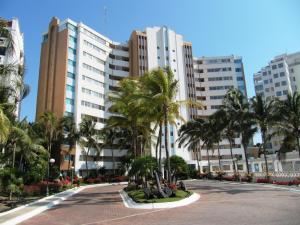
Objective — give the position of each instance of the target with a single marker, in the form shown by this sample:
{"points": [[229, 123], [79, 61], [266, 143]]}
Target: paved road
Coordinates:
{"points": [[220, 204]]}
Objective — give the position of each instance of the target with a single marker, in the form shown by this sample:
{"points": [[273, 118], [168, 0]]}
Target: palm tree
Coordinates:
{"points": [[237, 106], [190, 134], [4, 126], [161, 87], [289, 111], [89, 138], [71, 135], [264, 116]]}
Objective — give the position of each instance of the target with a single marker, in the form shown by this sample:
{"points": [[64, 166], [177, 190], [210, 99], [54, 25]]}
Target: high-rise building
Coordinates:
{"points": [[79, 67], [278, 79], [214, 76], [12, 55]]}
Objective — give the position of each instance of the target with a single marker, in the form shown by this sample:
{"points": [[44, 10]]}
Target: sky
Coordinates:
{"points": [[257, 30]]}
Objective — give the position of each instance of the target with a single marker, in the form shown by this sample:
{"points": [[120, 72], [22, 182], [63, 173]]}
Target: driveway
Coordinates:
{"points": [[220, 204]]}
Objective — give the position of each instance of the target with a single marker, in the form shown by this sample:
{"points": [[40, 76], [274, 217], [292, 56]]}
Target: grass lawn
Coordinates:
{"points": [[139, 197]]}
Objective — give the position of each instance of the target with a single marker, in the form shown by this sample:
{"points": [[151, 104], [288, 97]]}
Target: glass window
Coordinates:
{"points": [[70, 88], [271, 81], [238, 69], [71, 75], [283, 83], [72, 51], [266, 81], [72, 39], [275, 75], [278, 93], [71, 62], [280, 65], [285, 92], [69, 101], [274, 67], [277, 84], [282, 74]]}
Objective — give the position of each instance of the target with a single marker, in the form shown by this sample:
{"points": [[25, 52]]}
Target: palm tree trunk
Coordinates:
{"points": [[198, 149], [231, 154], [159, 160], [86, 162], [157, 143], [265, 155], [69, 163], [208, 159], [113, 162], [246, 157], [298, 145], [12, 167], [167, 143], [219, 156]]}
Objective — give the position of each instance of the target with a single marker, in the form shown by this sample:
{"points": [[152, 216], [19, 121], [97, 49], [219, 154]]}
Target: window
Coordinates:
{"points": [[200, 88], [274, 67], [201, 98], [280, 65], [216, 97], [93, 81], [271, 81], [69, 101], [266, 81], [201, 79], [158, 57], [237, 61], [92, 105], [215, 106], [93, 69], [275, 75], [71, 62], [94, 58], [285, 92], [72, 27], [72, 51], [277, 84], [94, 93], [282, 74], [267, 89], [71, 75], [264, 73], [239, 78], [70, 88], [90, 45], [94, 36], [238, 69], [283, 83], [240, 167], [278, 93], [72, 39]]}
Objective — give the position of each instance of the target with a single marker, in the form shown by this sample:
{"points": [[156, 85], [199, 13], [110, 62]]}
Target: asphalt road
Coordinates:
{"points": [[220, 204]]}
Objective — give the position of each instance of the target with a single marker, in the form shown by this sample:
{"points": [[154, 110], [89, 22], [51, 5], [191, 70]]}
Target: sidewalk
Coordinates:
{"points": [[25, 212]]}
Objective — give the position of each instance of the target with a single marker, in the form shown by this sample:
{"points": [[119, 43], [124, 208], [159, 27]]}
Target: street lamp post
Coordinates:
{"points": [[51, 161]]}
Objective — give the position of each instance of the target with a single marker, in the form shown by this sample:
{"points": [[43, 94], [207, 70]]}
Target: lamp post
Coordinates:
{"points": [[51, 161]]}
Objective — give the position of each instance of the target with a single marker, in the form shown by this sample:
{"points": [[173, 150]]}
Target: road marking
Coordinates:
{"points": [[124, 217]]}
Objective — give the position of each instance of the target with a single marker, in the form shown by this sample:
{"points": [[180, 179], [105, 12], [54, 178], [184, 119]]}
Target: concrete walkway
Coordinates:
{"points": [[27, 211]]}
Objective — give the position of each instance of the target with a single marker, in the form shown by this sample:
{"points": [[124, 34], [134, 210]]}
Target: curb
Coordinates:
{"points": [[129, 203], [38, 210]]}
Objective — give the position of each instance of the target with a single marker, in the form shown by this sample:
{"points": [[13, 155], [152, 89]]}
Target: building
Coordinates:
{"points": [[213, 77], [79, 66], [278, 79], [12, 55]]}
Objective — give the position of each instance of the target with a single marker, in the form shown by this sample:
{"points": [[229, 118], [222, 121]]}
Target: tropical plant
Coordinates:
{"points": [[179, 167], [289, 111], [143, 167], [70, 135], [89, 140], [264, 115]]}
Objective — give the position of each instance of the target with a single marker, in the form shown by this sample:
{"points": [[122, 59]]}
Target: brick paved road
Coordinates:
{"points": [[220, 204]]}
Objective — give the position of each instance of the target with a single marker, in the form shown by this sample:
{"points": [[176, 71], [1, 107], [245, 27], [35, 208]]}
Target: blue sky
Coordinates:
{"points": [[257, 30]]}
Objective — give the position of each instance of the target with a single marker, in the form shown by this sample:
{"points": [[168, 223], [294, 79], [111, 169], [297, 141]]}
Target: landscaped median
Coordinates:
{"points": [[138, 200]]}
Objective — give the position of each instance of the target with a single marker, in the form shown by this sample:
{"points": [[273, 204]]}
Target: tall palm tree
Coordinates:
{"points": [[264, 116], [89, 138], [4, 126], [71, 135], [161, 86], [289, 110], [190, 134]]}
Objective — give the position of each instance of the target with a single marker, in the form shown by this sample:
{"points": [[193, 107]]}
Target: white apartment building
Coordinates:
{"points": [[12, 53], [279, 78], [214, 76]]}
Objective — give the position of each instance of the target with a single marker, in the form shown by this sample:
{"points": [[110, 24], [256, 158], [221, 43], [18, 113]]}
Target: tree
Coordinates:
{"points": [[4, 126], [179, 167], [71, 135], [237, 107], [89, 138], [190, 134], [265, 117], [289, 111], [143, 167]]}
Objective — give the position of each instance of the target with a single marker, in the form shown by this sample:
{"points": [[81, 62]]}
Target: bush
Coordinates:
{"points": [[263, 180]]}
